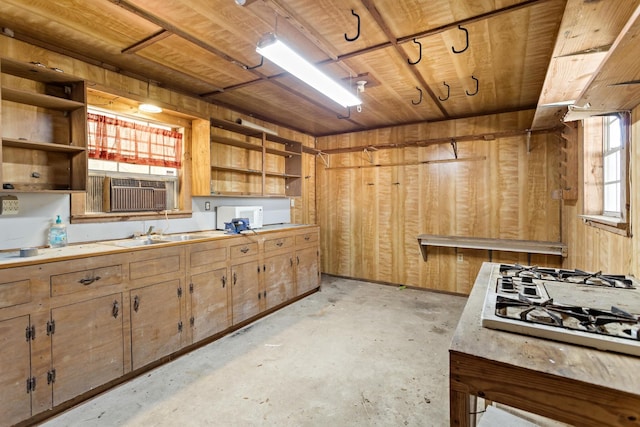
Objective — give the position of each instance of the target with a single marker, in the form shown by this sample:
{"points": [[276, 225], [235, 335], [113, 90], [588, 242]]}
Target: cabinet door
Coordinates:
{"points": [[307, 273], [245, 289], [278, 279], [87, 346], [15, 363], [209, 314], [156, 325]]}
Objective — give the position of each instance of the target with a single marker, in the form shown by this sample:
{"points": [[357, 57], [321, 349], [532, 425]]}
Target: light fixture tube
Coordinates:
{"points": [[287, 59]]}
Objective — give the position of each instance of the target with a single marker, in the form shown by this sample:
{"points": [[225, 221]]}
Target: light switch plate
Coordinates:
{"points": [[9, 205]]}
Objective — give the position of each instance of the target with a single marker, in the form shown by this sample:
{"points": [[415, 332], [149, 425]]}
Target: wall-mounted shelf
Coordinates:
{"points": [[506, 245], [44, 129], [246, 161]]}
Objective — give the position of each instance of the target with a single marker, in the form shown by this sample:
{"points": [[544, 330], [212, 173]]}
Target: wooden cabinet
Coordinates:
{"points": [[87, 346], [307, 261], [16, 380], [86, 326], [278, 267], [156, 325], [246, 289], [44, 131], [208, 289], [69, 327], [247, 162], [157, 303]]}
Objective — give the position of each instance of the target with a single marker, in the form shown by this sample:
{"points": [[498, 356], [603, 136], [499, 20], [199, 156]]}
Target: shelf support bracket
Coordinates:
{"points": [[454, 145], [324, 157]]}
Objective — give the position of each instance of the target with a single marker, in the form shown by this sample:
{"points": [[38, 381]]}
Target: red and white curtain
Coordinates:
{"points": [[123, 141]]}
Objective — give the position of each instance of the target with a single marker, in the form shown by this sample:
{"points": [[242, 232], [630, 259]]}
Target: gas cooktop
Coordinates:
{"points": [[574, 306]]}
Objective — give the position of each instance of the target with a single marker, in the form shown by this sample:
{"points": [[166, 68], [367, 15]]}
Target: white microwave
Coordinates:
{"points": [[229, 213]]}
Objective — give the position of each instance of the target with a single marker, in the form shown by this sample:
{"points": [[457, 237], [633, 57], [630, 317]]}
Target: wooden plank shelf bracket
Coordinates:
{"points": [[506, 245]]}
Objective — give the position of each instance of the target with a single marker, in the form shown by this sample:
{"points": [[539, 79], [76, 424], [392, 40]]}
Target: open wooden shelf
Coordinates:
{"points": [[39, 99], [288, 178], [506, 245], [59, 163], [43, 146]]}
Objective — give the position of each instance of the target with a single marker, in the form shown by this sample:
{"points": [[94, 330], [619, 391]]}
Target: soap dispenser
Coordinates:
{"points": [[58, 234]]}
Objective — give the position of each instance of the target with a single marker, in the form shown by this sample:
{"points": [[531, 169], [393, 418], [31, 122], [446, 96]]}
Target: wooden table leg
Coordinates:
{"points": [[459, 409]]}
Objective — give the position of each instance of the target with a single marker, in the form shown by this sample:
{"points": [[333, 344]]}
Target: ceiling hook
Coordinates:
{"points": [[477, 87], [448, 92], [420, 100], [246, 67], [420, 57], [466, 33], [341, 117], [352, 39]]}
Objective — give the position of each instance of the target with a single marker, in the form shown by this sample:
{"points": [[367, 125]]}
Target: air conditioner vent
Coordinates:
{"points": [[131, 195]]}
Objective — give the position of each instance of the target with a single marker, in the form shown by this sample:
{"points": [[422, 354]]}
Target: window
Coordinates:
{"points": [[606, 147]]}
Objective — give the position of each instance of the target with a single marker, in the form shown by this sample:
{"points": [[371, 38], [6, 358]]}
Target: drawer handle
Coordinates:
{"points": [[136, 303], [244, 250], [235, 278], [88, 281], [279, 244], [115, 309], [307, 238], [224, 281]]}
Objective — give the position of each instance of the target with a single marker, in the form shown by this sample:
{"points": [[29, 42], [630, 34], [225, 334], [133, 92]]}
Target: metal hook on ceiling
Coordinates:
{"points": [[341, 117], [352, 39], [246, 67], [448, 92], [420, 50], [420, 100], [466, 33], [477, 87]]}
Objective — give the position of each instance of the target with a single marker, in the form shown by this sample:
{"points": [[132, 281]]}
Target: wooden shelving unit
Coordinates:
{"points": [[261, 164], [44, 130]]}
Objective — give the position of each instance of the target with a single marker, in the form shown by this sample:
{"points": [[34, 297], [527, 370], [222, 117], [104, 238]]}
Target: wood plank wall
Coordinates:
{"points": [[595, 249], [370, 216]]}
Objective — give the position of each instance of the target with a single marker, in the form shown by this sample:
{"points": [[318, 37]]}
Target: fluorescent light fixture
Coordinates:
{"points": [[150, 108], [559, 103], [287, 59]]}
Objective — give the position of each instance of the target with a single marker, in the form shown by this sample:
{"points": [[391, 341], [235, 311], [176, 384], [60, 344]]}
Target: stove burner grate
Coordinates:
{"points": [[562, 275], [615, 323]]}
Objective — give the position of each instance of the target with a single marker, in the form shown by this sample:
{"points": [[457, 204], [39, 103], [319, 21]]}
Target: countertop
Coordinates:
{"points": [[12, 258]]}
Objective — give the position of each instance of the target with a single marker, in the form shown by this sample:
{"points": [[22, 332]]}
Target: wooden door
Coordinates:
{"points": [[87, 346], [209, 308], [156, 325], [307, 273], [15, 370], [245, 290], [278, 279]]}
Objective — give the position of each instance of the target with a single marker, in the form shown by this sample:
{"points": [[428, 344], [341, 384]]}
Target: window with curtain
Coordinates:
{"points": [[116, 139]]}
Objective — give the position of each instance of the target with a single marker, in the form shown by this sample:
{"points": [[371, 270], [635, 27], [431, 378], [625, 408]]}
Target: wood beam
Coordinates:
{"points": [[148, 41]]}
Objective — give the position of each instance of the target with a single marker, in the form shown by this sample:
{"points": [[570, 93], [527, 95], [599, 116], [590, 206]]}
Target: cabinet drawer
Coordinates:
{"points": [[154, 267], [244, 250], [305, 238], [200, 257], [63, 284], [14, 293], [276, 244]]}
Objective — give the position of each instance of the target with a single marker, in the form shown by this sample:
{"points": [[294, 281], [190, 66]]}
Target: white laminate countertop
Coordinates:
{"points": [[12, 258]]}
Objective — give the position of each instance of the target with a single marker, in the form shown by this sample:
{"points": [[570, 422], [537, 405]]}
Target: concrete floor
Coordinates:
{"points": [[354, 354]]}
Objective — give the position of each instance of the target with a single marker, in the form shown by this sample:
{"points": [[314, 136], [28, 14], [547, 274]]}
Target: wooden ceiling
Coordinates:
{"points": [[415, 55]]}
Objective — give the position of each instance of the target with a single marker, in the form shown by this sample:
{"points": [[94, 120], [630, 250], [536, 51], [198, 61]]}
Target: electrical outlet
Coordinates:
{"points": [[293, 202], [460, 258], [207, 206], [9, 205]]}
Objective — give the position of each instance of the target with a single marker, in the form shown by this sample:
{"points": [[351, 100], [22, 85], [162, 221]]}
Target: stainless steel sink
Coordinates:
{"points": [[182, 237], [132, 243]]}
